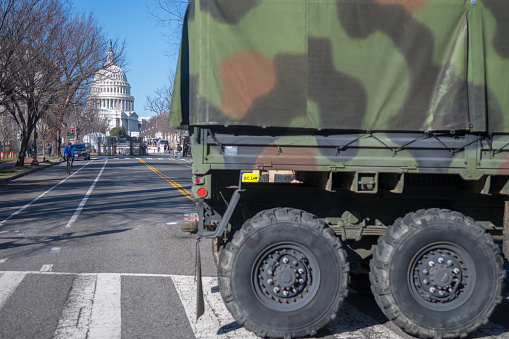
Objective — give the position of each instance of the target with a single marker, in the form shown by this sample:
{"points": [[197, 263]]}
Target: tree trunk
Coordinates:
{"points": [[24, 146]]}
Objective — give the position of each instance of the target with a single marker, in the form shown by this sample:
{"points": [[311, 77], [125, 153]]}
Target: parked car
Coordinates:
{"points": [[82, 150]]}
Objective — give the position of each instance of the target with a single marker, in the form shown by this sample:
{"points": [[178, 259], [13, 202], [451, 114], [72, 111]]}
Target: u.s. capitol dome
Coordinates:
{"points": [[110, 94]]}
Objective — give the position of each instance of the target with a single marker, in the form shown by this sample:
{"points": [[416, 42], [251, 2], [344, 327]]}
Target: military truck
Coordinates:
{"points": [[341, 142]]}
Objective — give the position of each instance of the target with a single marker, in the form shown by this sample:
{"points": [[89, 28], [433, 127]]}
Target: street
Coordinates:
{"points": [[99, 253]]}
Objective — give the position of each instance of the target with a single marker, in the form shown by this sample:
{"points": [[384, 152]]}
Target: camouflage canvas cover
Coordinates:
{"points": [[378, 65]]}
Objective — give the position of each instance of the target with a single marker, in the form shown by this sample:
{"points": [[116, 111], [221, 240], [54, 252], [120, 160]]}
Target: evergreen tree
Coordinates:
{"points": [[119, 132]]}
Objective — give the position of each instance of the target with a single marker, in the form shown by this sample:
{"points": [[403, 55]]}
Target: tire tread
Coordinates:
{"points": [[379, 269], [264, 219]]}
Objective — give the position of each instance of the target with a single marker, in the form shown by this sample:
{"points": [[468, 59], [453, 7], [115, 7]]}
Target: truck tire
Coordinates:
{"points": [[437, 274], [284, 274]]}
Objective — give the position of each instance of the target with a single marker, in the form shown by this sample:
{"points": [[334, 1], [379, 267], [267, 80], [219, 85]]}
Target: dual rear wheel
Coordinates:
{"points": [[435, 273]]}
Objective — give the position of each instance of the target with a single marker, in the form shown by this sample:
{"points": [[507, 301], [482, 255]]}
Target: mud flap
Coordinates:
{"points": [[200, 303]]}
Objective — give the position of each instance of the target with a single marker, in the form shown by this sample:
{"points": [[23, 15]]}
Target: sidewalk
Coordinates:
{"points": [[8, 171]]}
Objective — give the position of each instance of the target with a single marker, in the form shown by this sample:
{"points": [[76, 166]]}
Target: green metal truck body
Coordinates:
{"points": [[384, 122]]}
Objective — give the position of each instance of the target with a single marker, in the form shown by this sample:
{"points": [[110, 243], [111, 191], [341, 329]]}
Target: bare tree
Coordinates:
{"points": [[30, 73], [7, 132], [161, 102], [47, 55], [82, 55], [169, 14], [160, 105]]}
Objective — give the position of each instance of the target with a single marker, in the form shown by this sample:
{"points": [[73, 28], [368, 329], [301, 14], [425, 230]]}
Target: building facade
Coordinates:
{"points": [[110, 94]]}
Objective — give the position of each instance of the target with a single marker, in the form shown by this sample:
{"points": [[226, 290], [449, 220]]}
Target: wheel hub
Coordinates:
{"points": [[440, 274], [285, 277]]}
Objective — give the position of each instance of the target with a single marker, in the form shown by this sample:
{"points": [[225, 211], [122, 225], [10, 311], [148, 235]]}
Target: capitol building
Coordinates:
{"points": [[110, 94]]}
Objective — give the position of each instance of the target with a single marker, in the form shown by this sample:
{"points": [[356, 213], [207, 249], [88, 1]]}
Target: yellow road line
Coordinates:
{"points": [[181, 189]]}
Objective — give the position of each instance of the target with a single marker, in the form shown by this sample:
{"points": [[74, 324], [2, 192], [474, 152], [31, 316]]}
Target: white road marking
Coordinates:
{"points": [[151, 275], [105, 321], [350, 323], [9, 281], [92, 309], [216, 321], [75, 319], [55, 249], [171, 223], [46, 268], [3, 260], [85, 198], [43, 194]]}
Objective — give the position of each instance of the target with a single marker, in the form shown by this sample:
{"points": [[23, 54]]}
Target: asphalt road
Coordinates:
{"points": [[100, 254]]}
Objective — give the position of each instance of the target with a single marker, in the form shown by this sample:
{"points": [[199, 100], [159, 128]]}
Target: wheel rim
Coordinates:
{"points": [[285, 277], [442, 277]]}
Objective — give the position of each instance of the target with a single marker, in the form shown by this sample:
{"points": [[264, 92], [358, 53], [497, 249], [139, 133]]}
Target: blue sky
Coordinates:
{"points": [[148, 63]]}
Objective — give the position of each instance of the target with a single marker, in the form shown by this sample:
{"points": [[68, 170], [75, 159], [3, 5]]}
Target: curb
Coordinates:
{"points": [[19, 175]]}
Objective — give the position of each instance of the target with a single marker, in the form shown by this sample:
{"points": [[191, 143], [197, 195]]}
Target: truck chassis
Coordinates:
{"points": [[422, 224]]}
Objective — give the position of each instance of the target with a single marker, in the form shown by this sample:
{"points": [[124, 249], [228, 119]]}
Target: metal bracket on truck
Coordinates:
{"points": [[220, 229]]}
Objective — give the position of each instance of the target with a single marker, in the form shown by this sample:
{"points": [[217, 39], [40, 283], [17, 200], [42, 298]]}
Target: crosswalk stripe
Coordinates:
{"points": [[8, 284], [216, 320], [106, 312], [75, 319], [93, 309]]}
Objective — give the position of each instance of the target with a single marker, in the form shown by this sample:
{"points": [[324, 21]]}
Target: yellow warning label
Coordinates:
{"points": [[250, 177]]}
